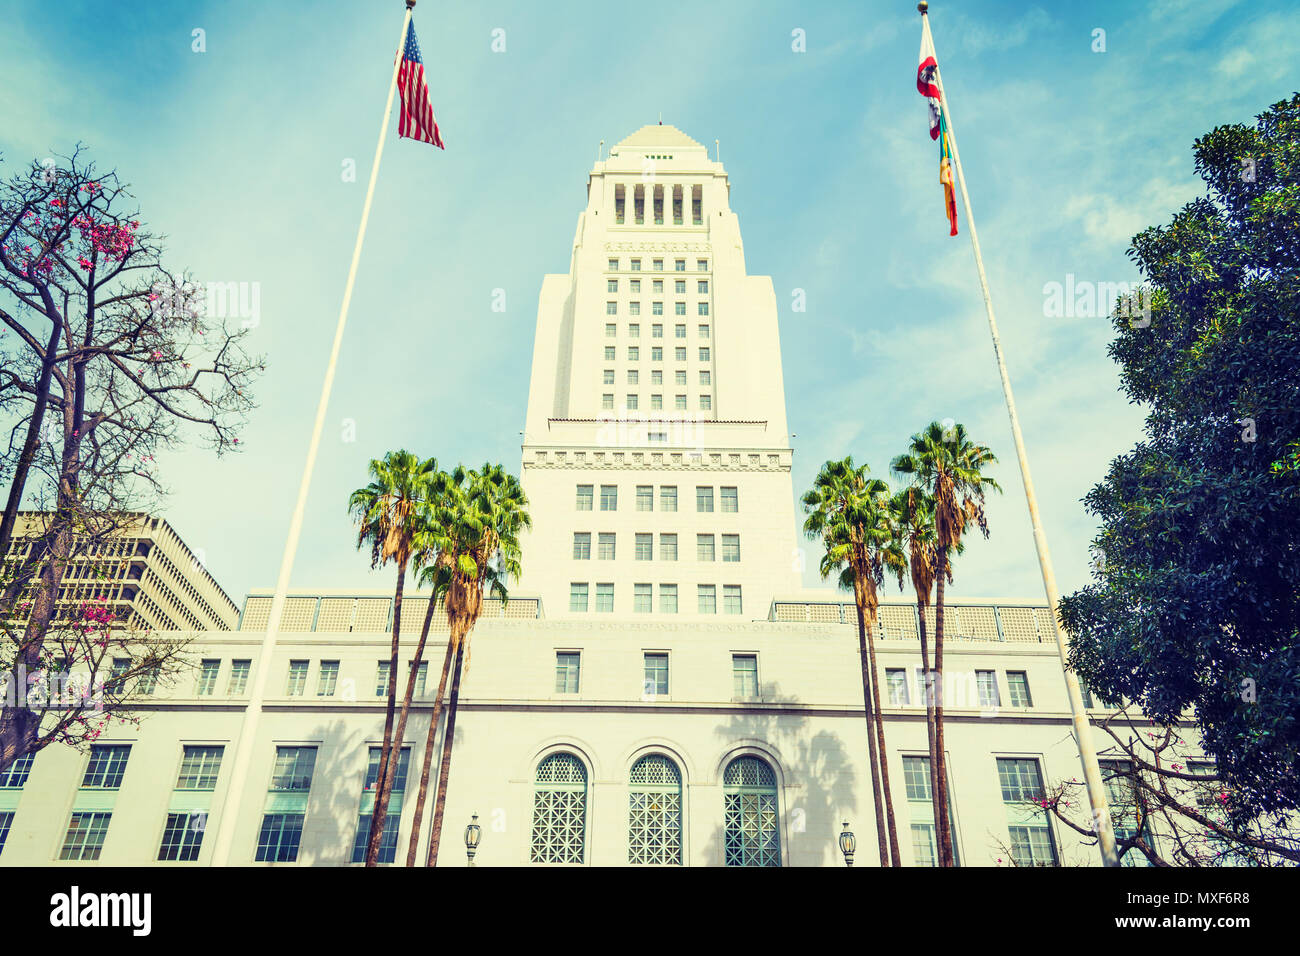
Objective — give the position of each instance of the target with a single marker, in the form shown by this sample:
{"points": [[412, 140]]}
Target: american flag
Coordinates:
{"points": [[416, 121]]}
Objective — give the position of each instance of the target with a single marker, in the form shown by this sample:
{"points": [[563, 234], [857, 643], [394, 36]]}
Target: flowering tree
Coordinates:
{"points": [[108, 360], [1171, 807]]}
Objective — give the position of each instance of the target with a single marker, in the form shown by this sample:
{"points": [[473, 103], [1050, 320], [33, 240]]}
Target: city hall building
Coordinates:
{"points": [[660, 690]]}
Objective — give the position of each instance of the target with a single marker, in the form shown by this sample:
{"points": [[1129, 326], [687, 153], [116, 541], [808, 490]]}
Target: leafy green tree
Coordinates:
{"points": [[851, 514], [942, 462], [1196, 599]]}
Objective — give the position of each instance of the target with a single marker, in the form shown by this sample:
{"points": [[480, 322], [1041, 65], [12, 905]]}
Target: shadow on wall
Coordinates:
{"points": [[818, 789], [331, 823]]}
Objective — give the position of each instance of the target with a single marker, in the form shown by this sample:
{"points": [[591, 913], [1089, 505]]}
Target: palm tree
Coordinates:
{"points": [[483, 553], [429, 557], [388, 514], [851, 514], [914, 522], [947, 466]]}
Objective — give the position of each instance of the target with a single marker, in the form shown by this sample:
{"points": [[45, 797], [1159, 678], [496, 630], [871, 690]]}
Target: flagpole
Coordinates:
{"points": [[1082, 727], [253, 712]]}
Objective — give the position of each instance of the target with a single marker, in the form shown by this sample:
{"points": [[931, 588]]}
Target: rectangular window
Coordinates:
{"points": [[701, 265], [656, 308], [706, 403], [987, 684], [328, 678], [680, 286], [208, 672], [730, 500], [636, 265], [656, 403], [896, 682], [679, 265], [679, 308], [731, 603], [238, 677], [1020, 779], [199, 767], [611, 285], [634, 331], [106, 767], [567, 664], [679, 402], [605, 543], [706, 377], [707, 598], [15, 775], [611, 330], [584, 497], [611, 308], [657, 331], [1018, 689], [645, 497], [657, 374], [657, 437], [634, 285], [631, 402], [1032, 846], [702, 308], [607, 400], [634, 308], [293, 771], [613, 265], [633, 353], [667, 599], [577, 597], [731, 547], [182, 836], [704, 329], [704, 355], [679, 331], [744, 673], [609, 353], [421, 676], [642, 598], [605, 598], [609, 497], [381, 678], [702, 286], [704, 547], [607, 376], [582, 545], [668, 547], [680, 378], [923, 848], [633, 377], [679, 355], [703, 498], [657, 355], [659, 265], [645, 547], [656, 675], [279, 838], [916, 775], [297, 678], [85, 836], [667, 497]]}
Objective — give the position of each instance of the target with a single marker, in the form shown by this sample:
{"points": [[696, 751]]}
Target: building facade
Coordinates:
{"points": [[660, 690]]}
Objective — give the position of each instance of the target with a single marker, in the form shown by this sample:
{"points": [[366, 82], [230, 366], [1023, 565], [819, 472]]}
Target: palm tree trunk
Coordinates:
{"points": [[386, 748], [940, 764], [884, 752], [418, 817], [444, 769], [929, 713], [379, 813], [882, 834]]}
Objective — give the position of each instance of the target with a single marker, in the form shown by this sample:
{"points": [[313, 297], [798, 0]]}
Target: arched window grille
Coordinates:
{"points": [[751, 834], [559, 810], [655, 812]]}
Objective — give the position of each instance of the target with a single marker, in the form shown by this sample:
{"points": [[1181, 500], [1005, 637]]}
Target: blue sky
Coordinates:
{"points": [[236, 153]]}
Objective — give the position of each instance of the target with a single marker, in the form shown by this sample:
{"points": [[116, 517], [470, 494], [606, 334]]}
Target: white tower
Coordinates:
{"points": [[655, 456]]}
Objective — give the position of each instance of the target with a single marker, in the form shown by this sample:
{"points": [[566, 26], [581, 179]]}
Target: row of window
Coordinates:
{"points": [[606, 546], [643, 598], [656, 353], [729, 498], [657, 265], [656, 377], [632, 402], [654, 683], [657, 285], [986, 689], [656, 308]]}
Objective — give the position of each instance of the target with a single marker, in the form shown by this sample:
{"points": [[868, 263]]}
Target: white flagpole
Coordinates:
{"points": [[1082, 727], [253, 712]]}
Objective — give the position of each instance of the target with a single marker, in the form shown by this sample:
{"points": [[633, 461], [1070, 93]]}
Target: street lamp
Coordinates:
{"points": [[471, 838], [848, 843]]}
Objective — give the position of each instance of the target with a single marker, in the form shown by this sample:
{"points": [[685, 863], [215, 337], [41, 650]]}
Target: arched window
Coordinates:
{"points": [[559, 810], [751, 834], [655, 812]]}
